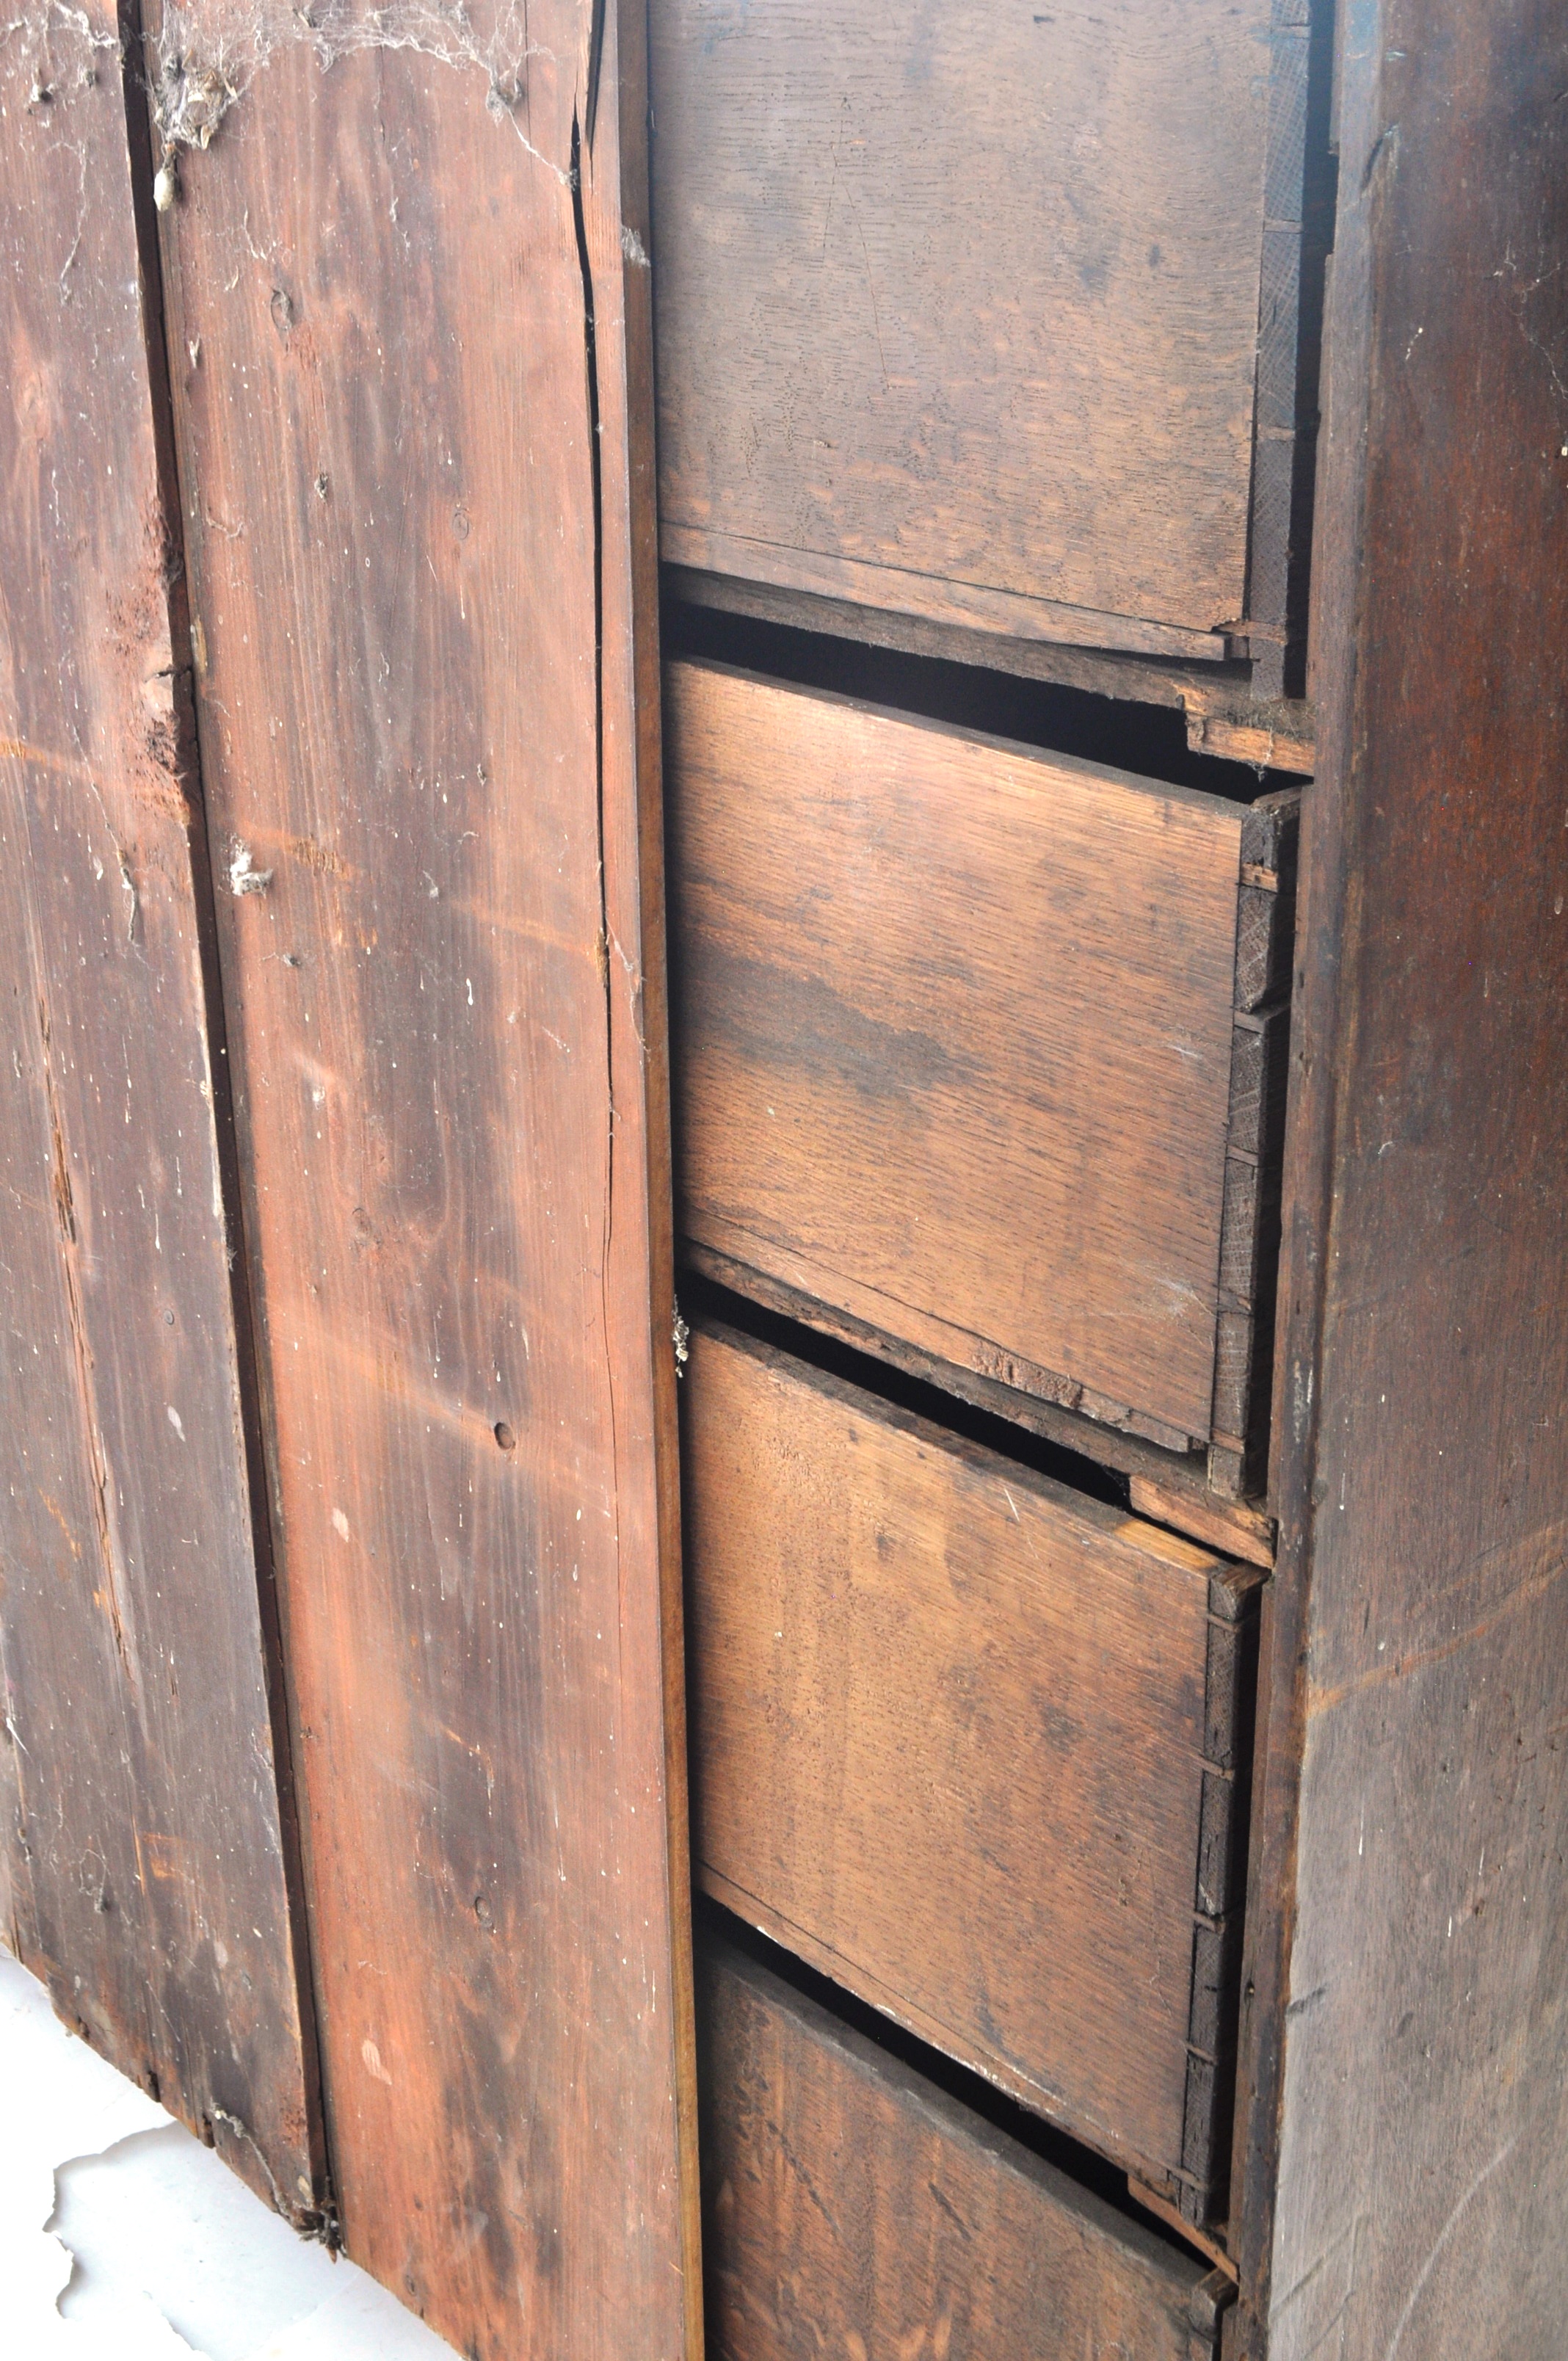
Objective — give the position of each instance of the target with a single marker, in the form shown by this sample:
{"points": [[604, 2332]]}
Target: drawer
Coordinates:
{"points": [[958, 309], [983, 1048], [851, 2209], [968, 1742]]}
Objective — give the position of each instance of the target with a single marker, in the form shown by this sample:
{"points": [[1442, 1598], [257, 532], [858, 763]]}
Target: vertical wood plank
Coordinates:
{"points": [[1404, 2151], [147, 1851], [410, 346]]}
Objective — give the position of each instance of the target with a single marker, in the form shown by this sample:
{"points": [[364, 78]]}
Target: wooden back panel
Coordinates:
{"points": [[954, 1741], [150, 1887], [955, 1032], [958, 309], [851, 2208], [410, 351]]}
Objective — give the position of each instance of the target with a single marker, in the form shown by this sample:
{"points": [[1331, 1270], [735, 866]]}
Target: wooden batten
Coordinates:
{"points": [[152, 1869], [411, 353], [1255, 1146]]}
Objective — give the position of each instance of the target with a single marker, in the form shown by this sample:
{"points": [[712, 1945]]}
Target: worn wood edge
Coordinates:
{"points": [[941, 599], [1173, 1488], [1274, 734], [1110, 1527], [1211, 2307], [317, 2215], [1097, 2221], [1337, 623], [1269, 553], [946, 1344], [1038, 2097], [1230, 1678], [1174, 2219], [1240, 1416], [1226, 1524], [1187, 686], [632, 233]]}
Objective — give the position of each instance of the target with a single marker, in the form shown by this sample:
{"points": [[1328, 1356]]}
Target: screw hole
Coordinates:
{"points": [[505, 1436]]}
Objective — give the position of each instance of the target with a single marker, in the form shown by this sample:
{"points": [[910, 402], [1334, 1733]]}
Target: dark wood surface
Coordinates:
{"points": [[954, 1033], [1405, 2153], [958, 314], [148, 1884], [851, 2208], [949, 1736], [1298, 228], [409, 331]]}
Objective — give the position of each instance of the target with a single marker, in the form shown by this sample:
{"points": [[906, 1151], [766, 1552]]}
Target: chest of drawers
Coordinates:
{"points": [[781, 913]]}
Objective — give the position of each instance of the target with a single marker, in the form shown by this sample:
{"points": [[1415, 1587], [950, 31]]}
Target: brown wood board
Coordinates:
{"points": [[150, 1887], [408, 325], [949, 1736], [1404, 2155], [958, 312], [954, 1032], [851, 2208]]}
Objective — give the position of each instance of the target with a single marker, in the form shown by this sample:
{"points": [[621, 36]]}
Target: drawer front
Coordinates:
{"points": [[958, 1045], [958, 308], [965, 1740], [852, 2210]]}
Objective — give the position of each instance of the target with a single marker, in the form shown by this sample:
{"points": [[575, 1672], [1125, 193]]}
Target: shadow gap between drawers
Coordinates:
{"points": [[1149, 739], [891, 1384]]}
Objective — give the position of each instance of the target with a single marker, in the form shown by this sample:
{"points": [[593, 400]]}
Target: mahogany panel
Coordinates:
{"points": [[958, 310], [408, 327], [954, 1741], [955, 1039], [148, 1867], [852, 2208]]}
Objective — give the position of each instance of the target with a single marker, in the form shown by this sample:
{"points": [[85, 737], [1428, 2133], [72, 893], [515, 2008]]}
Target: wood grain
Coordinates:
{"points": [[150, 1887], [954, 1028], [851, 2208], [1405, 2151], [949, 1736], [958, 312], [411, 348]]}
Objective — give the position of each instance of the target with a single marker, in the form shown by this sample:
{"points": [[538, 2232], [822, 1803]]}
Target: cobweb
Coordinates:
{"points": [[208, 55]]}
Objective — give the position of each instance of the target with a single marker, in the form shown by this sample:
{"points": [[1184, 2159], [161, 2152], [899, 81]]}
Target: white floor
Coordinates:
{"points": [[122, 2238]]}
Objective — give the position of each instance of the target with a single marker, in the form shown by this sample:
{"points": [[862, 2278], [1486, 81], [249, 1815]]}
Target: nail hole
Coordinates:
{"points": [[505, 1436]]}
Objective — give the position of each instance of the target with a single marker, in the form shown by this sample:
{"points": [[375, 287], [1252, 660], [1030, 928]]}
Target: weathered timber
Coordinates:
{"points": [[410, 326], [1403, 2151], [149, 1877]]}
